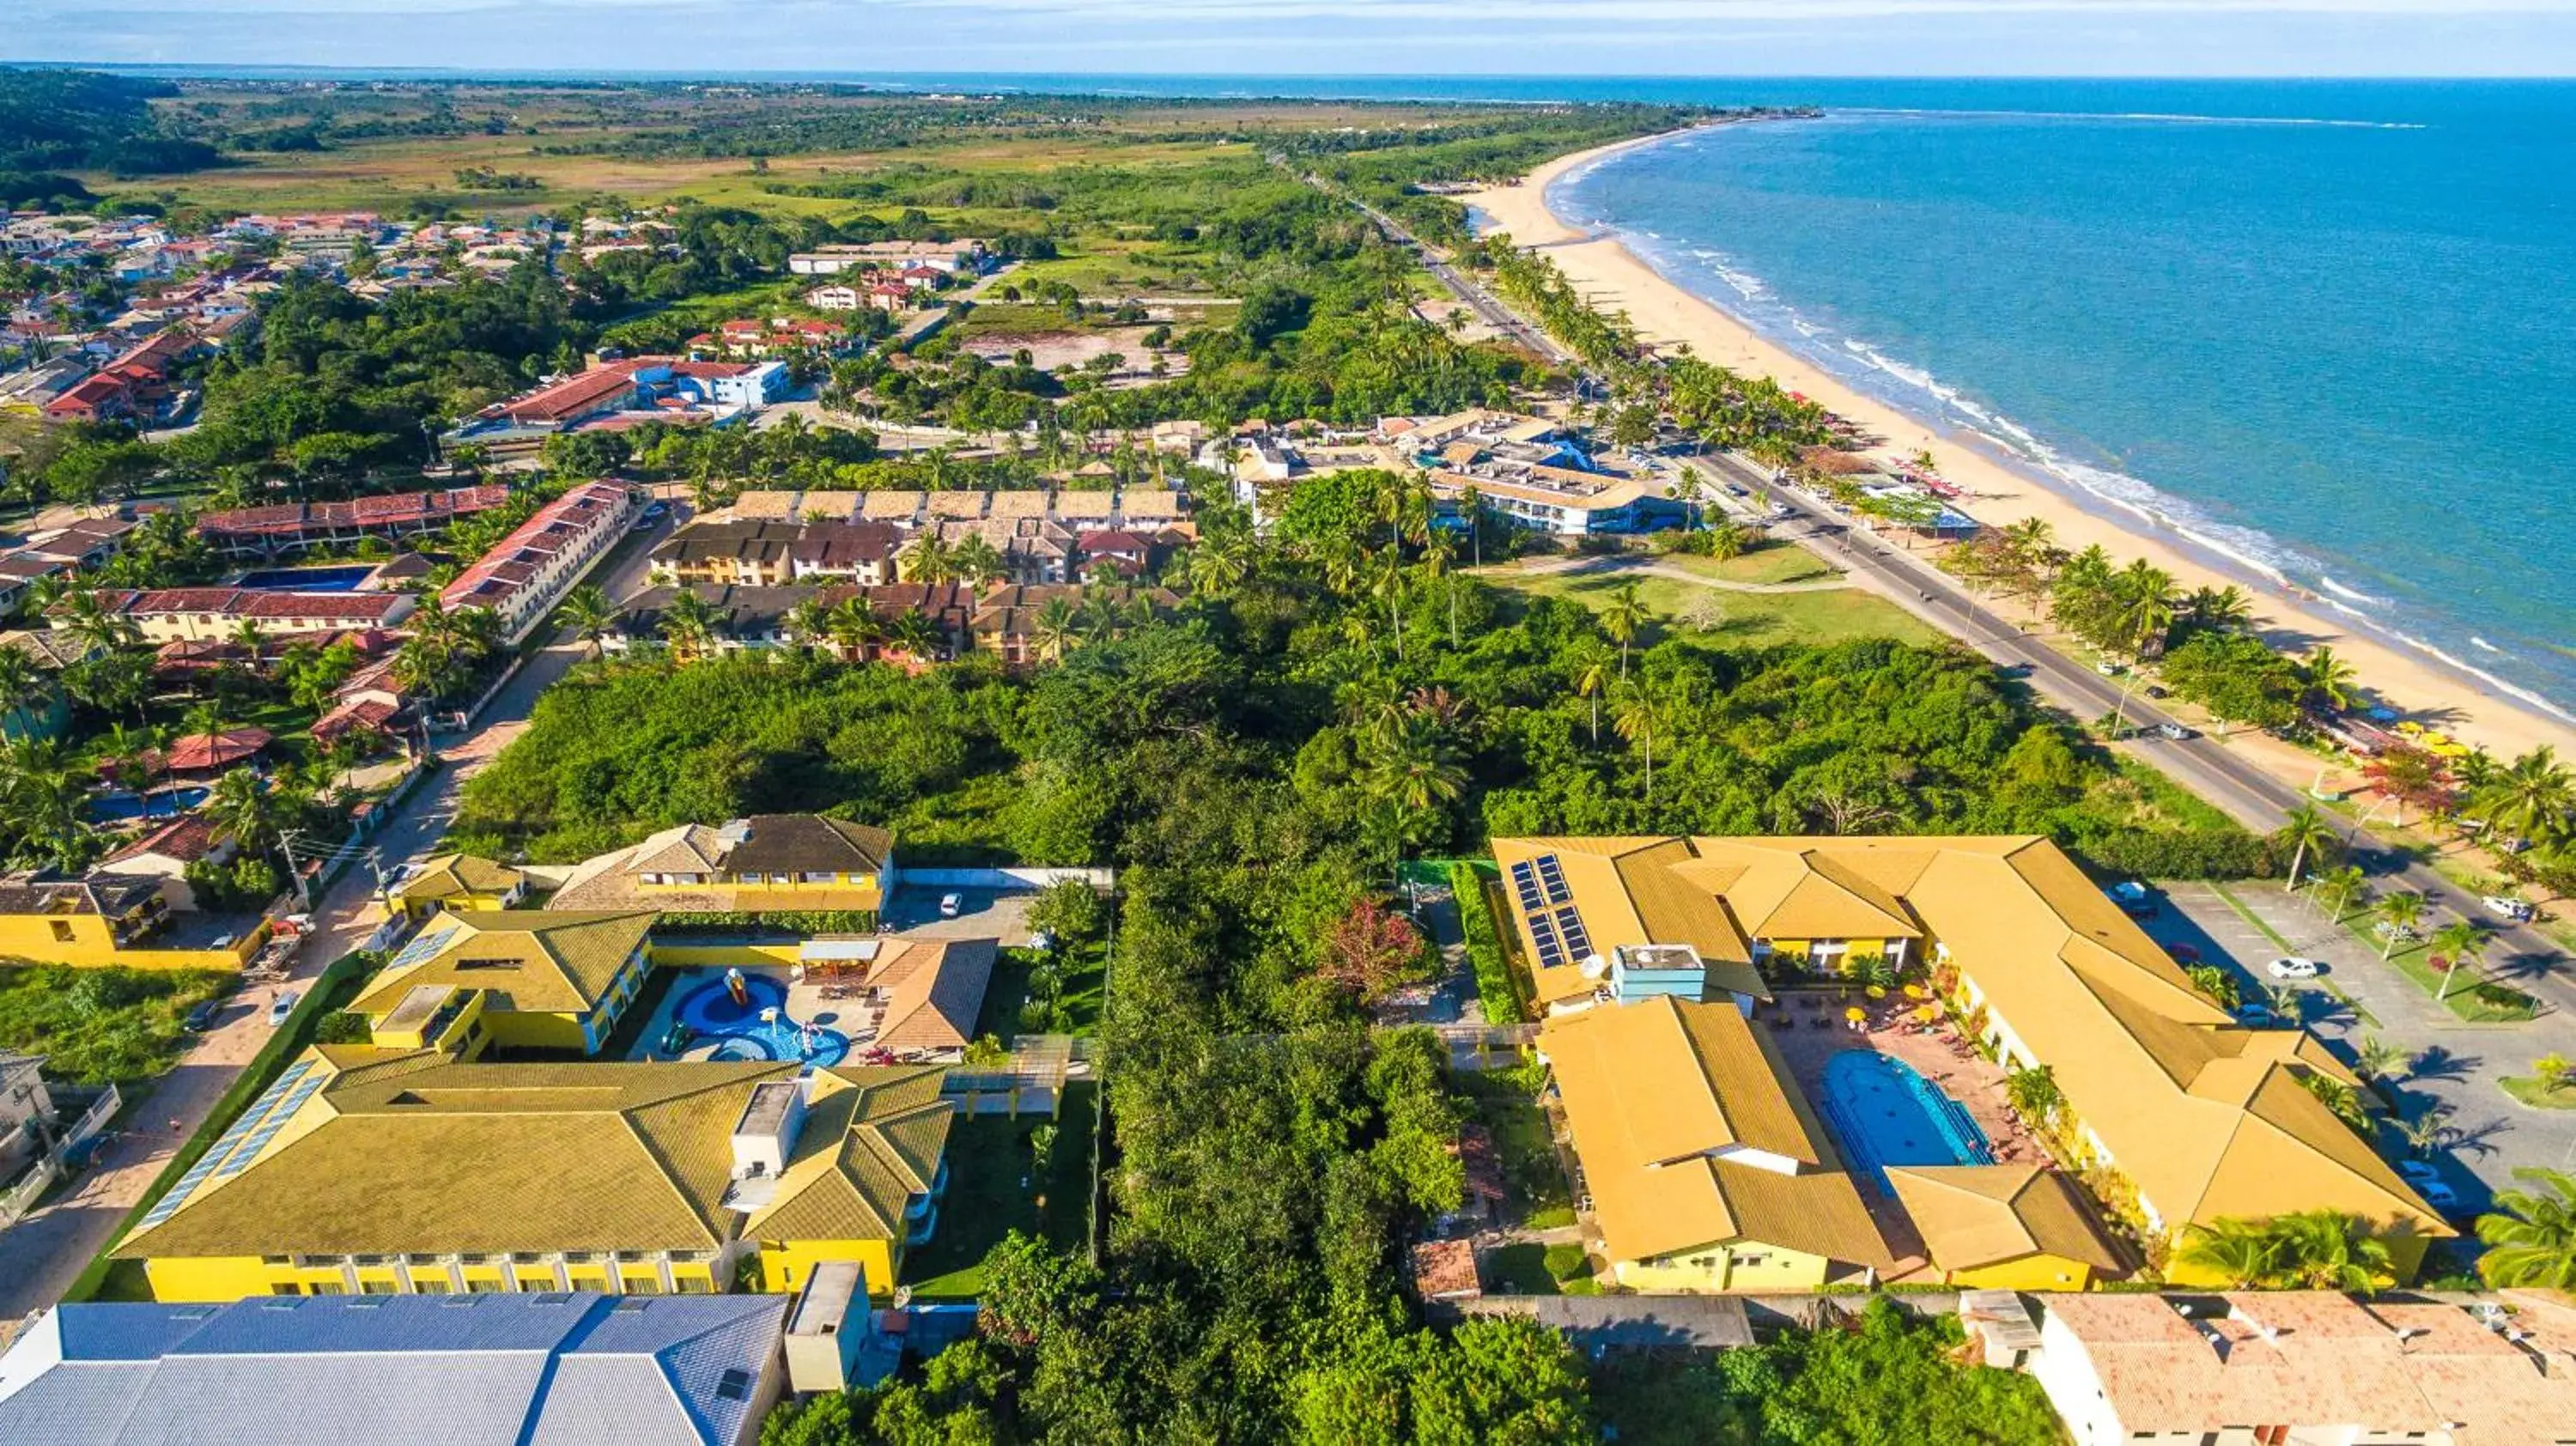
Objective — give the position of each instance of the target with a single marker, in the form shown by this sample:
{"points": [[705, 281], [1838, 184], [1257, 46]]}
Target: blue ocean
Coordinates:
{"points": [[2325, 332]]}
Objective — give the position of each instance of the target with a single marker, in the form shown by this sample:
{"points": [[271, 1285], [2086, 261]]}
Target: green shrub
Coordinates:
{"points": [[1496, 986]]}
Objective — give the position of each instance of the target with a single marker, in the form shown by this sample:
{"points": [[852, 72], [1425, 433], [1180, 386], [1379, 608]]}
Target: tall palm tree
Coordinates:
{"points": [[1439, 550], [590, 615], [854, 626], [915, 635], [2531, 797], [1623, 619], [1635, 716], [809, 622], [1416, 771], [2337, 891], [1386, 579], [688, 624], [2461, 942], [2305, 832], [1591, 679], [2399, 915], [2330, 680], [1056, 629], [928, 560], [2531, 1236], [250, 638], [1219, 564]]}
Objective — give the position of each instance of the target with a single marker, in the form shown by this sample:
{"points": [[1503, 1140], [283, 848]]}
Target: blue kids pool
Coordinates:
{"points": [[1886, 1114]]}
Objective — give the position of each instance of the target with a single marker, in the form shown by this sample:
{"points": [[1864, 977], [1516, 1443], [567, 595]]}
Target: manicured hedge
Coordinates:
{"points": [[1495, 984]]}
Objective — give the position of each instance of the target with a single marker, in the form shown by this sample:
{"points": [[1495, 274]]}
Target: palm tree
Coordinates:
{"points": [[1635, 717], [809, 622], [2531, 1237], [915, 635], [2336, 891], [247, 808], [928, 560], [590, 615], [2461, 942], [2330, 680], [2305, 831], [1056, 629], [1439, 550], [854, 625], [2425, 1133], [2382, 1060], [2219, 609], [1218, 565], [2034, 1095], [2240, 1252], [22, 688], [248, 637], [1386, 579], [1591, 678], [1415, 771], [688, 624], [2530, 797], [2330, 1250], [1622, 620], [1726, 539], [2399, 914]]}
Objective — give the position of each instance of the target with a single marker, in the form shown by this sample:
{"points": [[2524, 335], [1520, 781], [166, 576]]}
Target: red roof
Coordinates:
{"points": [[499, 573], [369, 713], [392, 510], [198, 752], [185, 839], [575, 395]]}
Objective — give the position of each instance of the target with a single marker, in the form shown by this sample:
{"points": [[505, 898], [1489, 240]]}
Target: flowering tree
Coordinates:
{"points": [[1371, 949]]}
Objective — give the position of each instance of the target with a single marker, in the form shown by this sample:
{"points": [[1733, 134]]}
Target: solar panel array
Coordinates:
{"points": [[429, 942], [1555, 925], [234, 1152]]}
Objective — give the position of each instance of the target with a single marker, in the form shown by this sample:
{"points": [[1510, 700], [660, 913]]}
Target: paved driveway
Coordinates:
{"points": [[981, 914], [2457, 1064]]}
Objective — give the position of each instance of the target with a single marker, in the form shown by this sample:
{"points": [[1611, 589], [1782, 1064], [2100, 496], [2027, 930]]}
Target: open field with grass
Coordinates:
{"points": [[998, 1183], [102, 1025], [1764, 562], [1735, 619]]}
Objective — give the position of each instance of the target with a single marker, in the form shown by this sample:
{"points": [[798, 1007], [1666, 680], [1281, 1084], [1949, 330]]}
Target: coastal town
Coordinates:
{"points": [[1215, 781]]}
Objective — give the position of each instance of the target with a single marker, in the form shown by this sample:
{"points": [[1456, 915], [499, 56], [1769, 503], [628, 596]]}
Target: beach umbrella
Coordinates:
{"points": [[1855, 1014], [1926, 1015], [1915, 991], [1876, 991]]}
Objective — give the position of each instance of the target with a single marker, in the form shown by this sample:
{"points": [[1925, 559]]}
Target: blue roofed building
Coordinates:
{"points": [[459, 1370]]}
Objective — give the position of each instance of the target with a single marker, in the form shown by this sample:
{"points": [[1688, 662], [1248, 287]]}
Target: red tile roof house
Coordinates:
{"points": [[164, 853], [98, 397], [527, 572], [1125, 552], [295, 526], [213, 614]]}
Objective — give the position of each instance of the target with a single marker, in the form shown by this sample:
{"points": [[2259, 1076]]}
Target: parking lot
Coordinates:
{"points": [[2457, 1064], [981, 914]]}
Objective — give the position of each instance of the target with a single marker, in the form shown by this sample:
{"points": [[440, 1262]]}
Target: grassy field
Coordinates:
{"points": [[1540, 1270], [1767, 562], [1084, 977], [995, 1186], [104, 1025], [2538, 1094], [1540, 1196], [1736, 619]]}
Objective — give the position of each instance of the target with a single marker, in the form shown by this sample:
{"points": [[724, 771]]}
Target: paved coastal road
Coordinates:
{"points": [[2206, 766], [41, 1255]]}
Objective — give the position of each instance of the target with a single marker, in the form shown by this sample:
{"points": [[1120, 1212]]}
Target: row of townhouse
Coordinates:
{"points": [[763, 552], [962, 257], [1008, 620], [787, 336], [62, 552], [215, 614], [292, 527], [528, 572], [135, 384]]}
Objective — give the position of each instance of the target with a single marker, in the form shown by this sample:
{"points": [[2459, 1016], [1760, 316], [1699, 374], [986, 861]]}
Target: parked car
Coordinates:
{"points": [[2134, 899], [2109, 669], [202, 1018], [2505, 906], [2256, 1016], [2428, 1182], [280, 1007], [2175, 731], [2155, 691], [2294, 968], [951, 905]]}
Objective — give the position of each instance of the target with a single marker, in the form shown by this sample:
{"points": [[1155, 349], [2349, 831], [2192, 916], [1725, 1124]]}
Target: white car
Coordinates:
{"points": [[281, 1007], [2175, 732], [2504, 906], [951, 905], [2294, 968], [2428, 1182]]}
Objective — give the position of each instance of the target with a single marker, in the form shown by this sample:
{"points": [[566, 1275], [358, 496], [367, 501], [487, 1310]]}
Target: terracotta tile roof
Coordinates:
{"points": [[1444, 1270], [937, 988]]}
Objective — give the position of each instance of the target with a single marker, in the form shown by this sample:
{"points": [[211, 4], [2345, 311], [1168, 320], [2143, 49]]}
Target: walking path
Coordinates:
{"points": [[44, 1253]]}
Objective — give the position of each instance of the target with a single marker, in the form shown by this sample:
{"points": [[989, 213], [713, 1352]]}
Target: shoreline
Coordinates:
{"points": [[2000, 490]]}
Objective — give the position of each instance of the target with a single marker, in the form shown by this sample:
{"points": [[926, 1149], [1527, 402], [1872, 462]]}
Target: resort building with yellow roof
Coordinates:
{"points": [[2187, 1115], [2005, 1227], [1707, 1170], [524, 978], [460, 882], [366, 1171]]}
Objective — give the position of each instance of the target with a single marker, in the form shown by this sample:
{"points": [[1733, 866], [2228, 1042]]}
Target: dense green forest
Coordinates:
{"points": [[70, 120]]}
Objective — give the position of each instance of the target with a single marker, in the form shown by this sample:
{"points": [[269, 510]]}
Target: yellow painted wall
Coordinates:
{"points": [[2031, 1272], [421, 909], [700, 954], [1776, 1270], [206, 1278], [785, 1265], [32, 936], [534, 1029]]}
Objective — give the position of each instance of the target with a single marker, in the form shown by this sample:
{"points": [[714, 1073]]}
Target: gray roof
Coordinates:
{"points": [[1628, 1322], [462, 1369]]}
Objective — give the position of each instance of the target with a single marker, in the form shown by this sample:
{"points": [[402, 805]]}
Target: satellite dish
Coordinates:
{"points": [[1594, 966]]}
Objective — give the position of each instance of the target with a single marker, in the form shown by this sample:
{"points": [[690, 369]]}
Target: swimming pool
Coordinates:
{"points": [[307, 579], [1886, 1114], [704, 1003], [167, 803]]}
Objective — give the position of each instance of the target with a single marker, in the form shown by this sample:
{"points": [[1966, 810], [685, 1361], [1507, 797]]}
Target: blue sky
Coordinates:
{"points": [[1393, 37]]}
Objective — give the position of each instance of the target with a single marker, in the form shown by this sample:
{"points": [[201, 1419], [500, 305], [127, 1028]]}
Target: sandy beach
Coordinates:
{"points": [[1613, 279]]}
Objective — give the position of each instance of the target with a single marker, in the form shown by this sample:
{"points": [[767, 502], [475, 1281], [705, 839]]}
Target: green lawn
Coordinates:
{"points": [[1539, 1270], [995, 1187], [1736, 619], [1539, 1192], [2529, 1090], [1078, 1001], [101, 1025], [1764, 562]]}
